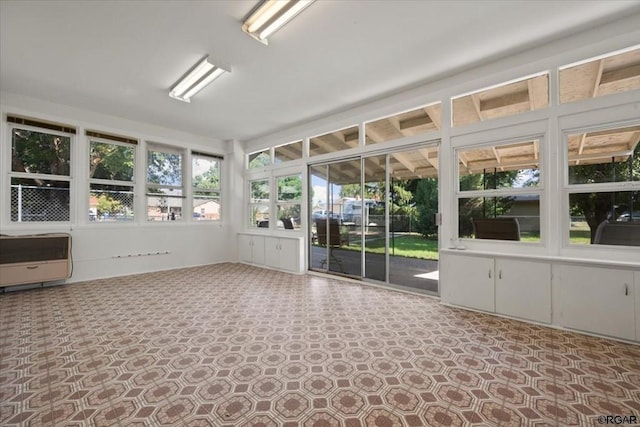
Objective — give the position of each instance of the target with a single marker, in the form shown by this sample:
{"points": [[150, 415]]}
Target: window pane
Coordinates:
{"points": [[334, 141], [500, 166], [206, 206], [289, 216], [39, 152], [619, 211], [416, 122], [259, 215], [111, 161], [38, 200], [611, 155], [206, 173], [259, 190], [259, 159], [166, 206], [289, 188], [110, 203], [612, 74], [288, 152], [164, 168], [502, 101], [500, 218]]}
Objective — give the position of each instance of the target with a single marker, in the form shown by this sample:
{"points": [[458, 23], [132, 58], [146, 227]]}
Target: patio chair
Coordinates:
{"points": [[625, 233], [496, 228], [332, 240]]}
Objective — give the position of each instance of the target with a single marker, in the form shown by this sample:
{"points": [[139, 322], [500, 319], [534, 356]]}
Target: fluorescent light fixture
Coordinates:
{"points": [[196, 79], [270, 15]]}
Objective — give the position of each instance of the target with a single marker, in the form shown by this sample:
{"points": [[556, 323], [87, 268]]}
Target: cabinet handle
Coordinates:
{"points": [[489, 273], [32, 267], [626, 289], [500, 274]]}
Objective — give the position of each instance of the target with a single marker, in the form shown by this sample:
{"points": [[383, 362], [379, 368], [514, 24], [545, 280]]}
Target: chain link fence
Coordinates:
{"points": [[37, 203], [110, 204]]}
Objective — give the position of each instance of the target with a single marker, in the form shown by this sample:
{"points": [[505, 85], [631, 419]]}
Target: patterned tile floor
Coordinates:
{"points": [[234, 345]]}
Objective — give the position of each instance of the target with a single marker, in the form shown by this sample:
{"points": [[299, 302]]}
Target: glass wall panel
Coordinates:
{"points": [[370, 213], [259, 203], [287, 152], [416, 122], [334, 141], [605, 218], [611, 155], [614, 73], [505, 100], [259, 159]]}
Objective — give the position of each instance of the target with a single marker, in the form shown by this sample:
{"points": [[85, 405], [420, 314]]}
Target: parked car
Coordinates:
{"points": [[626, 216]]}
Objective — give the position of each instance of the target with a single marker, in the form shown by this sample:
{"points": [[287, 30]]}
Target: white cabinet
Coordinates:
{"points": [[523, 289], [506, 286], [251, 248], [468, 281], [597, 299], [283, 253]]}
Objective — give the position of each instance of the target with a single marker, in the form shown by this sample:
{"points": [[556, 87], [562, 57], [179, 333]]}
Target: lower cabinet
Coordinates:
{"points": [[468, 281], [499, 285], [598, 300], [282, 253], [602, 299], [251, 248]]}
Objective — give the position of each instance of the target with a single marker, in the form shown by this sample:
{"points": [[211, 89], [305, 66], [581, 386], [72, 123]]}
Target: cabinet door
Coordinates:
{"points": [[245, 248], [523, 289], [272, 252], [258, 249], [599, 300], [468, 281], [290, 255]]}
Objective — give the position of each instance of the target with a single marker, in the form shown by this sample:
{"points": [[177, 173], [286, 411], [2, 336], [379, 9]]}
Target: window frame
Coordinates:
{"points": [[585, 188], [288, 203], [211, 192], [166, 149], [258, 202], [539, 190], [131, 184], [31, 125]]}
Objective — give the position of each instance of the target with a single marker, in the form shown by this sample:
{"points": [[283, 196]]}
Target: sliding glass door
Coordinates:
{"points": [[373, 218]]}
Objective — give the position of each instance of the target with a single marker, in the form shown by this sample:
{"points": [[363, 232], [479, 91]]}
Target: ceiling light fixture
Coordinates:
{"points": [[196, 79], [270, 15]]}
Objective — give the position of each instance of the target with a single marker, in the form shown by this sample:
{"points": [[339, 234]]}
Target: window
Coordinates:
{"points": [[40, 170], [528, 94], [416, 122], [164, 183], [259, 159], [289, 202], [603, 176], [613, 73], [111, 177], [205, 178], [334, 141], [287, 152], [259, 203], [499, 191]]}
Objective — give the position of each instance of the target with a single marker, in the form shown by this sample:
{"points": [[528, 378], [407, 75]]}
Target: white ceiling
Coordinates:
{"points": [[121, 57]]}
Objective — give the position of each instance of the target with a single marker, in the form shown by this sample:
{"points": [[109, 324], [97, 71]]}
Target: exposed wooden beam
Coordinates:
{"points": [[350, 137], [476, 105], [596, 84], [505, 100], [415, 122], [435, 113], [620, 74], [404, 160]]}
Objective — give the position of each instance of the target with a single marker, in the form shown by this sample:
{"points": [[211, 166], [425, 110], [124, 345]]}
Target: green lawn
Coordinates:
{"points": [[410, 246], [416, 246]]}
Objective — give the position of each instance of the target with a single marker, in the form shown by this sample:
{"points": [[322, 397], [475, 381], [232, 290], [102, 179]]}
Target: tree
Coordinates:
{"points": [[427, 205], [164, 168], [111, 161], [598, 207]]}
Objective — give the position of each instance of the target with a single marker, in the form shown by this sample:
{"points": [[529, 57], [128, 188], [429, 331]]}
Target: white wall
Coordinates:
{"points": [[102, 250]]}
